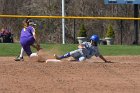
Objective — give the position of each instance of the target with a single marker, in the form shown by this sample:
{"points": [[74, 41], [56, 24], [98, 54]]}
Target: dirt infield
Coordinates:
{"points": [[91, 76]]}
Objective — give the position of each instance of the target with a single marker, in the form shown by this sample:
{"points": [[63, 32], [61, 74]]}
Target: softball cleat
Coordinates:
{"points": [[19, 59], [57, 57]]}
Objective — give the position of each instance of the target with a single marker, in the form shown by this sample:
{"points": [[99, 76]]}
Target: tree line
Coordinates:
{"points": [[49, 30]]}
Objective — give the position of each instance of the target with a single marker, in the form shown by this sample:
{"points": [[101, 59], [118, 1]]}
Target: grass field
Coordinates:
{"points": [[13, 49]]}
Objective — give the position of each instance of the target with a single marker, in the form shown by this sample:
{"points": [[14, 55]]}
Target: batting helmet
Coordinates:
{"points": [[29, 22], [94, 38]]}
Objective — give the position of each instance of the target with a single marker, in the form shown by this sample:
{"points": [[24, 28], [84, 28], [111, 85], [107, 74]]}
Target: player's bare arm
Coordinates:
{"points": [[100, 56], [37, 45]]}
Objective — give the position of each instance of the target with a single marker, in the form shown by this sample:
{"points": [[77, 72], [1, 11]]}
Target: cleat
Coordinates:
{"points": [[19, 59], [57, 57]]}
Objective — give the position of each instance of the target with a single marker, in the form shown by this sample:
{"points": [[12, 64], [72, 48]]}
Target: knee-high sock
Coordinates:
{"points": [[65, 56], [21, 52]]}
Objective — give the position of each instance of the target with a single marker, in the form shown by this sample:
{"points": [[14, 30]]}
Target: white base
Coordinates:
{"points": [[52, 60]]}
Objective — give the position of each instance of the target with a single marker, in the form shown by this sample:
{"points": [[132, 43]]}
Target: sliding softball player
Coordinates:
{"points": [[85, 51]]}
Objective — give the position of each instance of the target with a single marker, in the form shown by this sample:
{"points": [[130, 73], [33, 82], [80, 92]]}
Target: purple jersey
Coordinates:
{"points": [[26, 36]]}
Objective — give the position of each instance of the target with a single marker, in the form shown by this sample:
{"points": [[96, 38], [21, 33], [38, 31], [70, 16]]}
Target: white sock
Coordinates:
{"points": [[21, 52], [34, 55]]}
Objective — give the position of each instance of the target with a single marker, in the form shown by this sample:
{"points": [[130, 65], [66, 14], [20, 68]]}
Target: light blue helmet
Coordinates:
{"points": [[95, 38]]}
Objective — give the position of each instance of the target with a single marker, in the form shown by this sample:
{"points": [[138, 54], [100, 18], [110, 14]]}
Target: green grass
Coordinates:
{"points": [[7, 49], [120, 50], [13, 49]]}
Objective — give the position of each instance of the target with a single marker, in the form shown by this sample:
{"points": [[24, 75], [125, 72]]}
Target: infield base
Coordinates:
{"points": [[53, 60]]}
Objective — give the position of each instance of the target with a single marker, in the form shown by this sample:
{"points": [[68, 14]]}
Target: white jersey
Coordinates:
{"points": [[92, 50]]}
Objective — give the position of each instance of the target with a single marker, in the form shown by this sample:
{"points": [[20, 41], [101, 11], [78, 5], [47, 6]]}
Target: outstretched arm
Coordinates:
{"points": [[37, 46], [34, 35], [104, 59]]}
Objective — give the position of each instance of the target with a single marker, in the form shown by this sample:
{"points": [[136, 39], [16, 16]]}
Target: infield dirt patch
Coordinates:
{"points": [[91, 76]]}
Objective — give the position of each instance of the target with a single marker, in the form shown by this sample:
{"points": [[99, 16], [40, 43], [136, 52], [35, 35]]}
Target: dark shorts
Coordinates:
{"points": [[26, 43]]}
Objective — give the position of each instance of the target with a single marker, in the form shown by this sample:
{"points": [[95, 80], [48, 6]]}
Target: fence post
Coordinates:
{"points": [[136, 15]]}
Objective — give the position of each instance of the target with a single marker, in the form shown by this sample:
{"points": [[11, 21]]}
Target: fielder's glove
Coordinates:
{"points": [[38, 47]]}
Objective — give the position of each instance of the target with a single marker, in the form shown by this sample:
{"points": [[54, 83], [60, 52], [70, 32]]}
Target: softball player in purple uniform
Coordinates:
{"points": [[85, 51], [27, 39]]}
